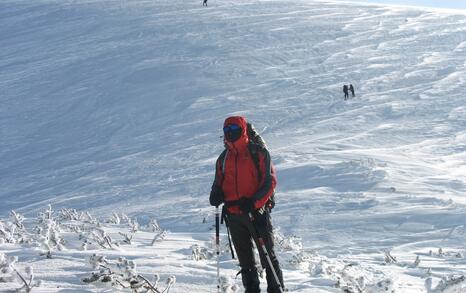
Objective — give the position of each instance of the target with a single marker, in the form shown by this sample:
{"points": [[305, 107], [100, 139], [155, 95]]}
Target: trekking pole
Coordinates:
{"points": [[217, 244], [260, 242]]}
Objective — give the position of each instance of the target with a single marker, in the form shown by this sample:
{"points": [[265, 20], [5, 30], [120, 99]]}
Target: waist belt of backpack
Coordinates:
{"points": [[224, 217]]}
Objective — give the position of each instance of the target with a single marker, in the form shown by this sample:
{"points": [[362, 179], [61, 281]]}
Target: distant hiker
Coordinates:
{"points": [[245, 182], [351, 88], [204, 3], [345, 90]]}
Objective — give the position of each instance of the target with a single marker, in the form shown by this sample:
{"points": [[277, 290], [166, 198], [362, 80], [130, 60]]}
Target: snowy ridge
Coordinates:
{"points": [[117, 106], [448, 7]]}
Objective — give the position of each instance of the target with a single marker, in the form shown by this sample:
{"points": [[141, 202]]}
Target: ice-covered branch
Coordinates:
{"points": [[123, 273]]}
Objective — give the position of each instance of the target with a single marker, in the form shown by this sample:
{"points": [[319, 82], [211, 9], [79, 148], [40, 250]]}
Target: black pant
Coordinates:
{"points": [[240, 226]]}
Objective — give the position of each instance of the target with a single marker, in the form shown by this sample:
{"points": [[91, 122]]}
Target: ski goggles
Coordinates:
{"points": [[231, 128], [232, 132]]}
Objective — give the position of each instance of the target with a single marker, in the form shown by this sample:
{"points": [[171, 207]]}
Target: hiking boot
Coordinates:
{"points": [[250, 280]]}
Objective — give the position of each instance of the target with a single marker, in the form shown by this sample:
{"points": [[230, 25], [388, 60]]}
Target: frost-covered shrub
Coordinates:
{"points": [[389, 259], [292, 253], [13, 231], [115, 219], [6, 268], [316, 268], [385, 285], [159, 237], [72, 215], [17, 220], [200, 253], [354, 279], [7, 233], [227, 285], [288, 243], [134, 225], [449, 284], [48, 233], [153, 226], [9, 274], [127, 237], [99, 238], [209, 252], [122, 274]]}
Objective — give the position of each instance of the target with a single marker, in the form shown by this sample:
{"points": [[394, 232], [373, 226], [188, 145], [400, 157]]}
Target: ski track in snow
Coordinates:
{"points": [[118, 106]]}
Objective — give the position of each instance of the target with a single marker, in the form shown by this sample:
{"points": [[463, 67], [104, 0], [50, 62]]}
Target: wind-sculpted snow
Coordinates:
{"points": [[342, 177], [117, 106]]}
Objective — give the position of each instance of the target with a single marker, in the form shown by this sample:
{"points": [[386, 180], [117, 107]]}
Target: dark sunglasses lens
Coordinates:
{"points": [[231, 127], [232, 132], [234, 127]]}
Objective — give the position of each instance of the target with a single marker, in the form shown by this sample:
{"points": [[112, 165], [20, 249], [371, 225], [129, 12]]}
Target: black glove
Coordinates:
{"points": [[246, 205], [216, 196]]}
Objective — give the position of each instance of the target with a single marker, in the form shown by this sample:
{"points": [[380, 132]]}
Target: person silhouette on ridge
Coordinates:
{"points": [[345, 90], [351, 88]]}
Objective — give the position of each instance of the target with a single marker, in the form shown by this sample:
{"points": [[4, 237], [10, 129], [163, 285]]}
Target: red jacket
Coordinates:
{"points": [[236, 173]]}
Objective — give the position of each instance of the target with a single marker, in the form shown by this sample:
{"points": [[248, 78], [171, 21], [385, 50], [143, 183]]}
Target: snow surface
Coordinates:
{"points": [[117, 106], [449, 4]]}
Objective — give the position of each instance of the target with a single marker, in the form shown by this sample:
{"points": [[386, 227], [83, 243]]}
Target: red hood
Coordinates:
{"points": [[243, 141]]}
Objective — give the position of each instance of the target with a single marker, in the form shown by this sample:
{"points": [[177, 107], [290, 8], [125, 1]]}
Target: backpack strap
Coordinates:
{"points": [[225, 153], [221, 160], [254, 151]]}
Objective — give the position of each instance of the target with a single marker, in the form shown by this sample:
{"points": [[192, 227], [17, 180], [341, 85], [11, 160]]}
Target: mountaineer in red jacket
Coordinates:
{"points": [[245, 181]]}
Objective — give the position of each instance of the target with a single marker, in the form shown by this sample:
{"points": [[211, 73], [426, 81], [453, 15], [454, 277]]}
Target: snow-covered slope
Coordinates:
{"points": [[118, 106]]}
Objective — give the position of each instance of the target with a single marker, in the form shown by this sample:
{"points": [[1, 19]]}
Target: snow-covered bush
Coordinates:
{"points": [[352, 278], [48, 233], [389, 259], [292, 253], [122, 274], [227, 285], [134, 225], [288, 243], [200, 253], [6, 269], [127, 237], [159, 237], [10, 274], [52, 230], [115, 219], [7, 233], [13, 231], [448, 284], [153, 226], [73, 215], [17, 220], [99, 238]]}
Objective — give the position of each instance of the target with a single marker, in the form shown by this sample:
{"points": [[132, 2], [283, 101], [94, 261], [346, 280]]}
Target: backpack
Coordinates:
{"points": [[255, 146]]}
